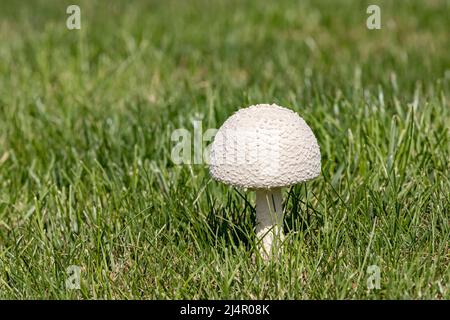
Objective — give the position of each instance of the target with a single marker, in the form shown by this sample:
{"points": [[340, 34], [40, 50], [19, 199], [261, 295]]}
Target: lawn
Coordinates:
{"points": [[87, 181]]}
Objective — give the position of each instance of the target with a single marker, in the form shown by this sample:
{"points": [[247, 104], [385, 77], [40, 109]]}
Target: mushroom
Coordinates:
{"points": [[265, 148]]}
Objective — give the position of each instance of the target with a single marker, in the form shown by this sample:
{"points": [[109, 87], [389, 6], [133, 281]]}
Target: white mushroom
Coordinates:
{"points": [[265, 148]]}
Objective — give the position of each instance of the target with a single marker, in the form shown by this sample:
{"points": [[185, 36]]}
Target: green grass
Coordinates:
{"points": [[86, 176]]}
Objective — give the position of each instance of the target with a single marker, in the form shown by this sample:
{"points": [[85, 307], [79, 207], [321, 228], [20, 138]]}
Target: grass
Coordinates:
{"points": [[86, 176]]}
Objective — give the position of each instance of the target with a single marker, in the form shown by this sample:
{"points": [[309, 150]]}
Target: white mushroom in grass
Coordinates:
{"points": [[265, 148]]}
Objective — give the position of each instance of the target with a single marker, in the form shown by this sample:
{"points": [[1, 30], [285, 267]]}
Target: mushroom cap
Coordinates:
{"points": [[264, 146]]}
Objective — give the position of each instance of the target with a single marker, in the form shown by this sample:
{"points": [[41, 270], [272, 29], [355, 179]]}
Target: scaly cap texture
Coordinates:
{"points": [[264, 146]]}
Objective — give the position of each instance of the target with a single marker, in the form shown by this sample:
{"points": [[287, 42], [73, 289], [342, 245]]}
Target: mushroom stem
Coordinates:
{"points": [[269, 219]]}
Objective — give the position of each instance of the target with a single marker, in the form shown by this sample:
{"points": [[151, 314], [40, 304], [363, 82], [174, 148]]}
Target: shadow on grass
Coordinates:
{"points": [[234, 224], [231, 223]]}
